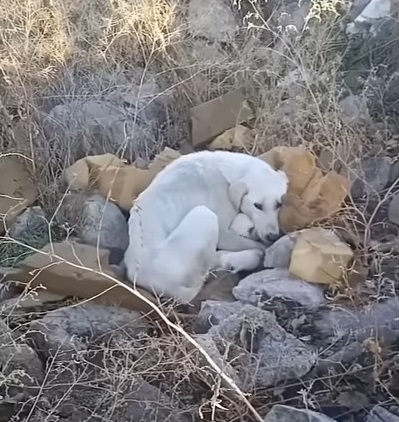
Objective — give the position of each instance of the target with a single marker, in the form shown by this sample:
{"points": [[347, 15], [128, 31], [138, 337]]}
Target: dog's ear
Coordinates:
{"points": [[236, 192]]}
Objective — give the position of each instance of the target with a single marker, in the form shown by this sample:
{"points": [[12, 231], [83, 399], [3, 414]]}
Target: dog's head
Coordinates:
{"points": [[259, 196]]}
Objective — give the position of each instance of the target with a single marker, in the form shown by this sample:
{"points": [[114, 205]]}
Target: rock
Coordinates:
{"points": [[31, 220], [261, 351], [371, 176], [109, 122], [354, 110], [368, 20], [381, 319], [61, 332], [393, 210], [279, 254], [93, 217], [259, 287], [379, 414], [319, 256], [282, 413], [212, 19]]}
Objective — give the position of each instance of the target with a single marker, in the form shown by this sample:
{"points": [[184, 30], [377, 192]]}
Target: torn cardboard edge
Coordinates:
{"points": [[210, 119], [68, 269]]}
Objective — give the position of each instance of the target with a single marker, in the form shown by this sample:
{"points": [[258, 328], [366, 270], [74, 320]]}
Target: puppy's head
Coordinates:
{"points": [[259, 196]]}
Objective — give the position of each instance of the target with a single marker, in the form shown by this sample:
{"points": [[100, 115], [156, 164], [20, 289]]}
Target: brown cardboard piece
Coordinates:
{"points": [[212, 118], [77, 175], [319, 256], [17, 190], [59, 277], [125, 183], [109, 175], [312, 196], [236, 138]]}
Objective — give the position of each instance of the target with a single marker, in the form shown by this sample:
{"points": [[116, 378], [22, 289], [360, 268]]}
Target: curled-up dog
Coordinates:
{"points": [[187, 222]]}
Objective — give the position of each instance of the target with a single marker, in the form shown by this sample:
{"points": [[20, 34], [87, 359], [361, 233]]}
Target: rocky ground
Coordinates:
{"points": [[86, 78]]}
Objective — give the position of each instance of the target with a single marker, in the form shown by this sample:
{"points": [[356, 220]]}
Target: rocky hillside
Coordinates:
{"points": [[84, 78]]}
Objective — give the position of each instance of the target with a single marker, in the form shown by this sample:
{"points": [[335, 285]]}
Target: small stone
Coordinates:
{"points": [[282, 413], [279, 254], [393, 210], [380, 414], [259, 287]]}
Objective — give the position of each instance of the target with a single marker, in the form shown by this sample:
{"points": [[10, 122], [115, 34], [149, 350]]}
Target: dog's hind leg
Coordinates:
{"points": [[188, 254]]}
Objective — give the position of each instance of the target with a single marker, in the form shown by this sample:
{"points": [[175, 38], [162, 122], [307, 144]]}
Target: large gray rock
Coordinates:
{"points": [[95, 221], [282, 413], [371, 176], [260, 286], [379, 414], [126, 115], [62, 332], [212, 19], [279, 254], [262, 352]]}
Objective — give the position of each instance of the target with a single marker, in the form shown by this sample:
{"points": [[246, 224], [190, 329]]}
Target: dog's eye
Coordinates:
{"points": [[258, 206], [278, 205]]}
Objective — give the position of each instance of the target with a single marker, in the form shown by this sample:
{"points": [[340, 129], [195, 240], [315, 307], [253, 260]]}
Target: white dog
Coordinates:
{"points": [[199, 204]]}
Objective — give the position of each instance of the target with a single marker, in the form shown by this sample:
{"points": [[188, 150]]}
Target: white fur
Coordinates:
{"points": [[180, 221]]}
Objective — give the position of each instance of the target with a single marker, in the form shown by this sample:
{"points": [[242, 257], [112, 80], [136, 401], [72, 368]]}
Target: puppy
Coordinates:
{"points": [[180, 227]]}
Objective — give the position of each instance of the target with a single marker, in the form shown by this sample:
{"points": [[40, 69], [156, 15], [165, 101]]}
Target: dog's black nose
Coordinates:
{"points": [[272, 237]]}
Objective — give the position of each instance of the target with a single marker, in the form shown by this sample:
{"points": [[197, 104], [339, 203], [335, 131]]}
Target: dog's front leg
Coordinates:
{"points": [[248, 260], [229, 240]]}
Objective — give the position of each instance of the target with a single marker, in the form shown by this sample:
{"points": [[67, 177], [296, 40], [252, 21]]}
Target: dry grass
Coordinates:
{"points": [[56, 51]]}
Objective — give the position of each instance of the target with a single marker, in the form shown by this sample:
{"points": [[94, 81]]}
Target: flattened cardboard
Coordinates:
{"points": [[17, 190], [61, 278], [125, 183], [210, 119], [77, 175], [319, 256]]}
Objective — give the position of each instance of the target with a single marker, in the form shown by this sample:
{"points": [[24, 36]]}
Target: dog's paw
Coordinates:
{"points": [[240, 261]]}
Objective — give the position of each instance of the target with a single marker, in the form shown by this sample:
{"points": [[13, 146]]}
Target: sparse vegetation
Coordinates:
{"points": [[294, 74]]}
